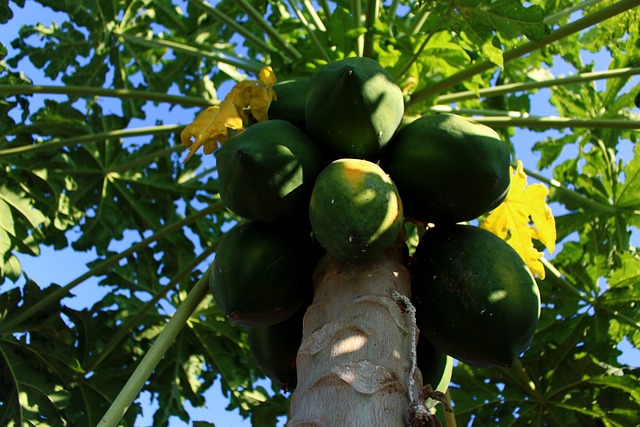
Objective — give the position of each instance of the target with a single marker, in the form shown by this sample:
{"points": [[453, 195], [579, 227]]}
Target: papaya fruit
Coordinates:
{"points": [[261, 273], [475, 298], [291, 95], [274, 349], [355, 210], [448, 168], [352, 108], [266, 172], [435, 366]]}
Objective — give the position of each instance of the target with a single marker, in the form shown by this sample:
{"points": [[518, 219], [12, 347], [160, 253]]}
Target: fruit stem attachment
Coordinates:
{"points": [[135, 383], [449, 416]]}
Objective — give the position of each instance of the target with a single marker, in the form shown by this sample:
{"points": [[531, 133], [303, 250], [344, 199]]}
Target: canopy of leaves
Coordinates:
{"points": [[72, 175]]}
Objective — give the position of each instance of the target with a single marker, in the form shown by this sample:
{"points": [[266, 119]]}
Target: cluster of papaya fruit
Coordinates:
{"points": [[334, 170]]}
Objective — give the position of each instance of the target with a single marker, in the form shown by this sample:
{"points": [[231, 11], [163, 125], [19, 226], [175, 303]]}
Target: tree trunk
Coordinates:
{"points": [[355, 362]]}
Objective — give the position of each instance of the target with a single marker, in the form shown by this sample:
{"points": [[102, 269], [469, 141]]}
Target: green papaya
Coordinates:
{"points": [[355, 210], [291, 95], [435, 366], [448, 168], [352, 109], [274, 349], [261, 274], [475, 298], [266, 172]]}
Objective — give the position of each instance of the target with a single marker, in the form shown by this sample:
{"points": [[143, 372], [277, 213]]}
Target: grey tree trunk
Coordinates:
{"points": [[354, 364]]}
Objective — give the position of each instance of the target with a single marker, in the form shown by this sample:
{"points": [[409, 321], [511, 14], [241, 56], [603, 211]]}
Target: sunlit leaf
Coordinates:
{"points": [[629, 193]]}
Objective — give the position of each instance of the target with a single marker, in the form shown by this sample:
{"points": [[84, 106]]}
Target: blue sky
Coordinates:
{"points": [[63, 266]]}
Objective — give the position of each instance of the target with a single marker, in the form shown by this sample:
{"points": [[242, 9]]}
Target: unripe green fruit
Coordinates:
{"points": [[353, 108], [355, 210], [435, 366], [291, 95], [262, 272], [475, 298], [266, 173], [274, 349], [448, 168]]}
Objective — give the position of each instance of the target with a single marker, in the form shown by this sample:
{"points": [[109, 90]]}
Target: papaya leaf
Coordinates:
{"points": [[10, 267], [180, 378], [5, 11], [22, 206], [43, 376], [65, 45], [622, 299], [339, 28], [21, 226], [628, 274], [266, 412], [32, 394], [628, 195], [551, 148], [224, 347], [479, 22], [522, 217], [511, 19]]}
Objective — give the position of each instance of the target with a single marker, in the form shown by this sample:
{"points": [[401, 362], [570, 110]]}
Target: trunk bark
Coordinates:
{"points": [[355, 363]]}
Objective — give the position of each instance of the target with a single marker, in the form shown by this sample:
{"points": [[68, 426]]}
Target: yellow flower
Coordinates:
{"points": [[522, 217], [215, 125]]}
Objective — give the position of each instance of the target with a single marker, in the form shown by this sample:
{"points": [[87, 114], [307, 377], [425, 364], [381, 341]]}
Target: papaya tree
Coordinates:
{"points": [[301, 202]]}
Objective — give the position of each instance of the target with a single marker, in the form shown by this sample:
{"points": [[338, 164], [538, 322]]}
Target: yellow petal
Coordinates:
{"points": [[213, 126], [267, 76], [199, 132], [255, 96], [228, 118], [260, 103], [542, 216], [522, 217], [189, 134]]}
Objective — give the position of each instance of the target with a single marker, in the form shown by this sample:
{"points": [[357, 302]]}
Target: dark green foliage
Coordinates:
{"points": [[47, 368]]}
